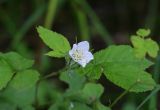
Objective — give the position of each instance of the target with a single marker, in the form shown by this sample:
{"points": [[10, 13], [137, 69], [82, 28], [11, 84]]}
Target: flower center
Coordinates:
{"points": [[77, 55]]}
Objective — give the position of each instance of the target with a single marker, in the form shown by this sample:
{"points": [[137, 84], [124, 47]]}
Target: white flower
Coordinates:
{"points": [[80, 53]]}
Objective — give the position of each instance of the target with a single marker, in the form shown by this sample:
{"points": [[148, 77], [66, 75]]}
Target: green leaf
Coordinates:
{"points": [[25, 79], [21, 90], [152, 47], [139, 46], [92, 92], [143, 46], [75, 81], [143, 32], [129, 77], [120, 65], [123, 54], [55, 41], [19, 98], [116, 54], [17, 62], [6, 73]]}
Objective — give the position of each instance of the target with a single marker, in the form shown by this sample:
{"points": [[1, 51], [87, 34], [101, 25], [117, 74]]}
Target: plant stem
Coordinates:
{"points": [[156, 76], [123, 94], [149, 96], [50, 75], [118, 98]]}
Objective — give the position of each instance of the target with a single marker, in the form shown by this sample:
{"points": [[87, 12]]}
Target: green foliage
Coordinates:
{"points": [[153, 47], [75, 81], [28, 108], [25, 79], [143, 46], [17, 79], [6, 73], [55, 41], [92, 92], [120, 65], [126, 67], [7, 106], [143, 32], [17, 62], [80, 106], [137, 80], [90, 72], [139, 46], [21, 89], [80, 92], [100, 106]]}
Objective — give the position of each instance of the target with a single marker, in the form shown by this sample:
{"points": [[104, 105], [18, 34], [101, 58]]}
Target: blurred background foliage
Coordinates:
{"points": [[102, 22]]}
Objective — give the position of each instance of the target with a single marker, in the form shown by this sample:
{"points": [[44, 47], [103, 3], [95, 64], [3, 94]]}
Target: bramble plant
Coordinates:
{"points": [[24, 88]]}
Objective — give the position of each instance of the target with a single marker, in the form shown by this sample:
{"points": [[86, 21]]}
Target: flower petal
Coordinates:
{"points": [[75, 46], [88, 56], [72, 51], [84, 45]]}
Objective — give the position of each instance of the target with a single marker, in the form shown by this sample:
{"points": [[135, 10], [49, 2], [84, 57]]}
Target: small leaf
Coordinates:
{"points": [[92, 92], [17, 62], [55, 41], [152, 47], [74, 80], [143, 32], [144, 46], [139, 46], [6, 73]]}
